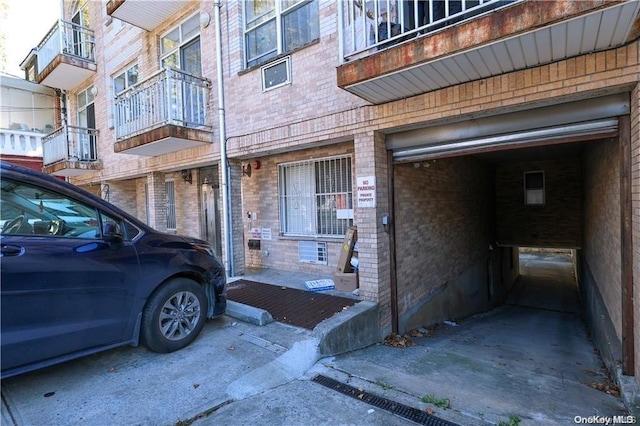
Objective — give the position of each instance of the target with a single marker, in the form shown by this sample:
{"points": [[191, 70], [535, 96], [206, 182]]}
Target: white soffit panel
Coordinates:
{"points": [[599, 30]]}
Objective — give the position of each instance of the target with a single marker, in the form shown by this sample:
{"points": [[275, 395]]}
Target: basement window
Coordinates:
{"points": [[534, 188], [312, 252]]}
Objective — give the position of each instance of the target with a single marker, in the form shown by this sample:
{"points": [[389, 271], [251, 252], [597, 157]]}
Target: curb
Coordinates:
{"points": [[248, 313]]}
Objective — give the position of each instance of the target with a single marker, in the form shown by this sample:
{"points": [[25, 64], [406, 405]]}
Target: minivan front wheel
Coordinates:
{"points": [[174, 315]]}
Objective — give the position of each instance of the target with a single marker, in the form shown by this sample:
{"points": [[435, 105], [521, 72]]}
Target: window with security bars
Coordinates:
{"points": [[316, 197], [171, 204]]}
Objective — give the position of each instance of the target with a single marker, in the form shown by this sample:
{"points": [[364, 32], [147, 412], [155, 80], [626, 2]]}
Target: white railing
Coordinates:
{"points": [[66, 38], [70, 143], [19, 142], [372, 25], [170, 96]]}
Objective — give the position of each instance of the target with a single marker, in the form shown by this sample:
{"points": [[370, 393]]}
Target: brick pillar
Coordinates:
{"points": [[373, 240], [157, 201]]}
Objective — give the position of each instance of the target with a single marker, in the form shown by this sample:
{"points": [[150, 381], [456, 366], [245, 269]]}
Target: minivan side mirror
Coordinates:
{"points": [[111, 233]]}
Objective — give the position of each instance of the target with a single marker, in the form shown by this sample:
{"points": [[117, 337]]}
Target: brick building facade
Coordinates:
{"points": [[446, 124]]}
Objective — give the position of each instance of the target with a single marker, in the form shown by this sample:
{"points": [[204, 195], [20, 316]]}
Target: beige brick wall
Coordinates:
{"points": [[123, 195], [374, 242], [602, 223], [260, 196], [558, 223], [313, 91], [443, 223]]}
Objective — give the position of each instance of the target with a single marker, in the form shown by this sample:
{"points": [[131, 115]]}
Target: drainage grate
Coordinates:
{"points": [[404, 411]]}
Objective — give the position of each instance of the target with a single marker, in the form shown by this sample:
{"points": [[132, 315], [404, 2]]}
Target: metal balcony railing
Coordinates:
{"points": [[372, 25], [170, 96], [66, 38], [70, 143]]}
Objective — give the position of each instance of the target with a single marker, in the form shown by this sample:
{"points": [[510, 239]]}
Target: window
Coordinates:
{"points": [[534, 188], [171, 204], [125, 80], [31, 210], [273, 27], [316, 197], [276, 74], [85, 149], [180, 47], [312, 252]]}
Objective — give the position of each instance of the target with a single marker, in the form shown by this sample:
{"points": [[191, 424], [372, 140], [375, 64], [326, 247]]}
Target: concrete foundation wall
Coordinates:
{"points": [[597, 316], [557, 223], [444, 228]]}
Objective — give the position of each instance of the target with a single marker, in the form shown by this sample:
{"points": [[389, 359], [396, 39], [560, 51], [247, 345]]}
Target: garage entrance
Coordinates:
{"points": [[462, 209]]}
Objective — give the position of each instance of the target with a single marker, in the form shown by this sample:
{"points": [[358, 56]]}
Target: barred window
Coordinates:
{"points": [[171, 205], [316, 197]]}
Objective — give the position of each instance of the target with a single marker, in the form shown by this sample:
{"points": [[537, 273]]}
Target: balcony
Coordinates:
{"points": [[139, 14], [65, 57], [70, 151], [385, 57], [21, 145], [165, 113]]}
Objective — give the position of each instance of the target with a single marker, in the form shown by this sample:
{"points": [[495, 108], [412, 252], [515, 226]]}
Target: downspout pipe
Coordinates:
{"points": [[226, 189]]}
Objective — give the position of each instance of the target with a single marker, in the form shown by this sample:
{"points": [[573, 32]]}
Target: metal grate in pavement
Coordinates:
{"points": [[288, 305], [413, 414]]}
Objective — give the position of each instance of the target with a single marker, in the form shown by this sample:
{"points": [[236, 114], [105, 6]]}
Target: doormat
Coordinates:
{"points": [[288, 305]]}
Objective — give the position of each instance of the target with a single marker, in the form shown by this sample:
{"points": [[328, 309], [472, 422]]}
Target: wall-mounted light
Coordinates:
{"points": [[246, 170], [204, 19], [186, 175]]}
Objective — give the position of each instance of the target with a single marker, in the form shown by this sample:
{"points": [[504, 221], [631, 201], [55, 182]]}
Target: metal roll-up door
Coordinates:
{"points": [[569, 122]]}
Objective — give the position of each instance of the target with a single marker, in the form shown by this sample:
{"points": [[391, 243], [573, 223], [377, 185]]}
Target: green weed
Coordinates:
{"points": [[513, 421], [438, 402]]}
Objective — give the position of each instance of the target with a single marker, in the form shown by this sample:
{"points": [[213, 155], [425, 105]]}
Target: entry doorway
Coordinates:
{"points": [[211, 209]]}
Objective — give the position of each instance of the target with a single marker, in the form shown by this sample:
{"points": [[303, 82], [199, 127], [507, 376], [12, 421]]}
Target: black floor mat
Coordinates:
{"points": [[288, 305]]}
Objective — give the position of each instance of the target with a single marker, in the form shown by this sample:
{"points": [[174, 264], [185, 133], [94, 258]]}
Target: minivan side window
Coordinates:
{"points": [[32, 210]]}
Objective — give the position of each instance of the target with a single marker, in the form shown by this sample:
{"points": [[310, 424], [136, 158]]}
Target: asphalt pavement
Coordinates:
{"points": [[525, 363]]}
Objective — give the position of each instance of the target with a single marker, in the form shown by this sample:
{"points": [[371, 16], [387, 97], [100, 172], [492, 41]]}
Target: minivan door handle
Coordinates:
{"points": [[11, 250]]}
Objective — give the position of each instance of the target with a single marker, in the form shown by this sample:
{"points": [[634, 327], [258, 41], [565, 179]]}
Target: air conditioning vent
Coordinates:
{"points": [[276, 74], [312, 252]]}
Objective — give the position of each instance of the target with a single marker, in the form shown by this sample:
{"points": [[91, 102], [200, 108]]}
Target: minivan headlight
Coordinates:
{"points": [[204, 248]]}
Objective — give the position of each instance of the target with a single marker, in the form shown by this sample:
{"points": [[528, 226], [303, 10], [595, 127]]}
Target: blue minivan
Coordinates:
{"points": [[80, 276]]}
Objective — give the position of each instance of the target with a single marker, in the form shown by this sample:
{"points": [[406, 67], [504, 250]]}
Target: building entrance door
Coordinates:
{"points": [[211, 213]]}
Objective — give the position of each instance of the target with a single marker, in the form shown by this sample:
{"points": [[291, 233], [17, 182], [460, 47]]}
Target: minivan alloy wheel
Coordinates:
{"points": [[174, 315], [179, 315]]}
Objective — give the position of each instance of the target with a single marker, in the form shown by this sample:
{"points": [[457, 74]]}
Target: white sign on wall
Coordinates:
{"points": [[366, 191]]}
